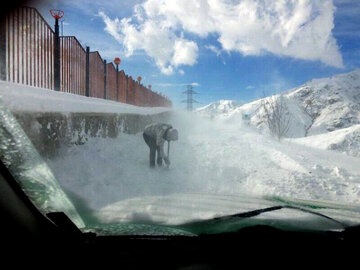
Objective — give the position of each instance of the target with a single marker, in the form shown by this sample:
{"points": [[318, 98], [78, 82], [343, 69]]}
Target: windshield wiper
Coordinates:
{"points": [[224, 223], [257, 212], [248, 214]]}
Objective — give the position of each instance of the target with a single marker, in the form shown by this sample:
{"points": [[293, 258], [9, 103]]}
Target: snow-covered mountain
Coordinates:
{"points": [[219, 108], [319, 107], [333, 102]]}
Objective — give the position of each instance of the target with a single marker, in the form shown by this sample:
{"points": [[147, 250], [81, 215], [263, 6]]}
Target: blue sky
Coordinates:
{"points": [[242, 58]]}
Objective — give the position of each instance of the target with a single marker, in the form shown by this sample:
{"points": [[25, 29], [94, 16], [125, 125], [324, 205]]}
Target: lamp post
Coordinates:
{"points": [[117, 62], [57, 14], [139, 79]]}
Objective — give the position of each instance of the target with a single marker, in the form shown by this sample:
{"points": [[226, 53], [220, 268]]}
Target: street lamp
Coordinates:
{"points": [[117, 62], [57, 14], [139, 79]]}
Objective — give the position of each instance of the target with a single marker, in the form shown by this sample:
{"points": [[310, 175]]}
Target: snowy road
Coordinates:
{"points": [[210, 158]]}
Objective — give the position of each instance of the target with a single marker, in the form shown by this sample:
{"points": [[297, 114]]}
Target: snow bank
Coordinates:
{"points": [[346, 140], [52, 119], [26, 98]]}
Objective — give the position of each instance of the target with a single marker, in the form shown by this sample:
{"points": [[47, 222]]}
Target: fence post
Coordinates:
{"points": [[117, 62], [127, 90], [57, 56], [87, 77], [117, 82], [105, 76], [3, 48]]}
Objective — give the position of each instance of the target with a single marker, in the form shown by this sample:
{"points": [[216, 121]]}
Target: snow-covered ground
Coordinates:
{"points": [[345, 140], [211, 157]]}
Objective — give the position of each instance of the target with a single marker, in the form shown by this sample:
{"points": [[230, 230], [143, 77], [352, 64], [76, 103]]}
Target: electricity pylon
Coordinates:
{"points": [[189, 100]]}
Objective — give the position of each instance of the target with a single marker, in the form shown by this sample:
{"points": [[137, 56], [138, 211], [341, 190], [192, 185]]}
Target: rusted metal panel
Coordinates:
{"points": [[141, 96], [72, 66], [131, 86], [96, 70], [146, 97], [111, 89], [143, 93], [29, 48], [122, 86], [136, 94]]}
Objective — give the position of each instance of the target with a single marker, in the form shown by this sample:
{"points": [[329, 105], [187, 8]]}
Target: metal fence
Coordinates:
{"points": [[29, 49], [72, 66], [111, 86], [96, 75], [122, 87], [28, 56]]}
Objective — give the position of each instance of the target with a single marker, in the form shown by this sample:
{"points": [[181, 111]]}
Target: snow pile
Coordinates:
{"points": [[18, 97], [346, 140]]}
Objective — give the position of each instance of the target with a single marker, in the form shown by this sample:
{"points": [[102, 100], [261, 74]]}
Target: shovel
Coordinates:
{"points": [[168, 153]]}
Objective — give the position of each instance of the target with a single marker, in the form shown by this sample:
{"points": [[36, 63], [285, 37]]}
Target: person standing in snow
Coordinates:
{"points": [[155, 136]]}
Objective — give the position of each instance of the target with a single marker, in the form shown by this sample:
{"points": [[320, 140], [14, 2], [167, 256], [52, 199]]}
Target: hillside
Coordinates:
{"points": [[219, 108], [318, 107]]}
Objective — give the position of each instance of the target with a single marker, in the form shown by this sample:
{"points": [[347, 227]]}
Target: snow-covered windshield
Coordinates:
{"points": [[220, 122]]}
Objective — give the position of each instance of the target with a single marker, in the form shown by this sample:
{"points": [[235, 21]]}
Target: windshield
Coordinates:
{"points": [[160, 117]]}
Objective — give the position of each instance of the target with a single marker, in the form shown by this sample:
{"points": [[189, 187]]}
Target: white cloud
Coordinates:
{"points": [[300, 29], [160, 43], [185, 52], [111, 26], [214, 49]]}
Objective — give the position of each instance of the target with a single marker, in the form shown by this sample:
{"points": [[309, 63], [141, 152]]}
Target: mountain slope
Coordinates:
{"points": [[334, 101], [219, 108], [320, 106]]}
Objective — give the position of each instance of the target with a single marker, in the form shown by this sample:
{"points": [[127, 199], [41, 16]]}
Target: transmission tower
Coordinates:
{"points": [[189, 100]]}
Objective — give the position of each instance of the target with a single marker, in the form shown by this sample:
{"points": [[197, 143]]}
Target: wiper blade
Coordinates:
{"points": [[271, 209], [247, 214], [257, 212], [317, 214]]}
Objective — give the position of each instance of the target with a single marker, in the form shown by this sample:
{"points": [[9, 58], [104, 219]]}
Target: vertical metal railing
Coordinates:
{"points": [[96, 72], [111, 81], [72, 66], [122, 86], [29, 48]]}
